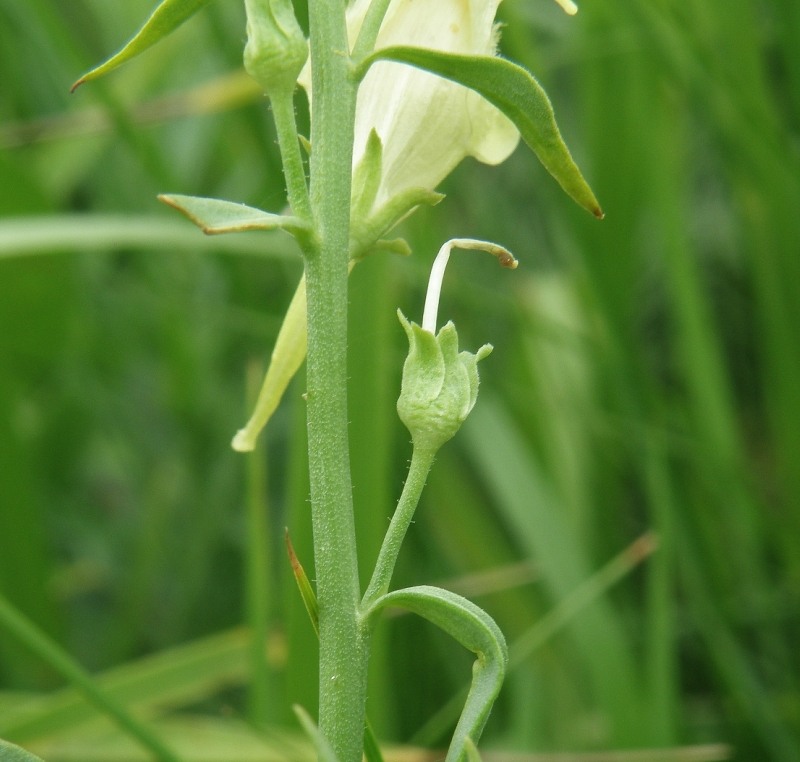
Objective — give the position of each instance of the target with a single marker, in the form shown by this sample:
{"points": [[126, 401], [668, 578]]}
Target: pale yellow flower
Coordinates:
{"points": [[427, 124]]}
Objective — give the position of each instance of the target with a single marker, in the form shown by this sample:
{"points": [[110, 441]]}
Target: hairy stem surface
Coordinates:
{"points": [[421, 462], [343, 648], [286, 127]]}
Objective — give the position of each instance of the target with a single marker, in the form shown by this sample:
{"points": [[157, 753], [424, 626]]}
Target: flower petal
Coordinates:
{"points": [[428, 125]]}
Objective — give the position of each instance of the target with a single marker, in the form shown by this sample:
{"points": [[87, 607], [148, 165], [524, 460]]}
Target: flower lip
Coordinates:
{"points": [[504, 256]]}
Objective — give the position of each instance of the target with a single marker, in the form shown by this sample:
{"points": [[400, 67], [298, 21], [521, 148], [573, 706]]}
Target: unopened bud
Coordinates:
{"points": [[276, 49]]}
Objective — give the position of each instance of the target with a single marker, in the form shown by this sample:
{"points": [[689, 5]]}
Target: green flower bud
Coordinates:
{"points": [[440, 384], [276, 49]]}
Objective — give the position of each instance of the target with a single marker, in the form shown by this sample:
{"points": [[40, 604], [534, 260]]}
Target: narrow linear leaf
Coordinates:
{"points": [[517, 94], [214, 216], [306, 590], [372, 751], [473, 755], [167, 17], [287, 357], [146, 686], [321, 744], [474, 629]]}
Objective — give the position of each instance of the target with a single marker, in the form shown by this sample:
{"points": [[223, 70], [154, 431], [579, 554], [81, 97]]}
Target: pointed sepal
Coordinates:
{"points": [[366, 230], [367, 178]]}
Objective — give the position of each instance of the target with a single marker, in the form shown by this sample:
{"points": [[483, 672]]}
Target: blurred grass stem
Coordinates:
{"points": [[51, 653]]}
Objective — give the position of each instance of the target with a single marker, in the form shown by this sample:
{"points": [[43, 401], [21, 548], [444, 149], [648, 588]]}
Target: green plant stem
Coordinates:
{"points": [[293, 169], [370, 28], [343, 646], [421, 462], [51, 653]]}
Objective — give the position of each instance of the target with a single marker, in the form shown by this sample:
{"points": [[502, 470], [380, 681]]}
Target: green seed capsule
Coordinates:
{"points": [[440, 384]]}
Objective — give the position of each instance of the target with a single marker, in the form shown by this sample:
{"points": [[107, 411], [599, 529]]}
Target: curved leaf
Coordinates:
{"points": [[214, 216], [167, 17], [517, 94], [474, 629], [11, 753]]}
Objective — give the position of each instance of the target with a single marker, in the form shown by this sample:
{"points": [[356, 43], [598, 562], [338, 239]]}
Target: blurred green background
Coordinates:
{"points": [[645, 388]]}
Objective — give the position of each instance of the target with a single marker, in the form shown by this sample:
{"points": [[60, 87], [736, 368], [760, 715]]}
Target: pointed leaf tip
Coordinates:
{"points": [[514, 91], [304, 585], [167, 17], [214, 216]]}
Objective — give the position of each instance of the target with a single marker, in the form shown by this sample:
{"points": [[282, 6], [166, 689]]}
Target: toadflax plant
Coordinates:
{"points": [[400, 91]]}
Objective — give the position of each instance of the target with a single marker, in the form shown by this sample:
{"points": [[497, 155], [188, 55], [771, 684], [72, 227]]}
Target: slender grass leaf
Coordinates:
{"points": [[147, 687], [535, 516], [474, 629], [517, 94], [264, 698], [549, 625], [214, 216], [22, 236], [52, 654], [166, 18], [195, 737]]}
